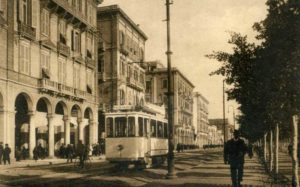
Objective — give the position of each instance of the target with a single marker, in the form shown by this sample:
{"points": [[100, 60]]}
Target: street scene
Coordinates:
{"points": [[149, 93]]}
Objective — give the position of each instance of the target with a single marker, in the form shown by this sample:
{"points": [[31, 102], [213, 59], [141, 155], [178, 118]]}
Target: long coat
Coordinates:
{"points": [[6, 154], [234, 152]]}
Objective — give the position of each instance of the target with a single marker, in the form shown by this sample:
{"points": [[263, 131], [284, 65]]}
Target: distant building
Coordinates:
{"points": [[156, 89], [220, 125], [121, 79], [200, 119]]}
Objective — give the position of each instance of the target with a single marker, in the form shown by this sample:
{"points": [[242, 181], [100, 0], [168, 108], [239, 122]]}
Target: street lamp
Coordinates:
{"points": [[171, 171], [233, 115]]}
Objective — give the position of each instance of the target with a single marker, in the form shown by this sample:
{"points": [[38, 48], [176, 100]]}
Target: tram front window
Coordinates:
{"points": [[160, 129], [131, 126], [120, 123], [141, 127], [109, 127], [153, 128]]}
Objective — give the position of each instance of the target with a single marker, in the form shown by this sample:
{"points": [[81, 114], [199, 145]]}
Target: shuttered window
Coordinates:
{"points": [[24, 58], [45, 22], [62, 71]]}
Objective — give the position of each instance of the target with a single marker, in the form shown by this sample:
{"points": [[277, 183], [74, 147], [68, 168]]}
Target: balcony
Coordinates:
{"points": [[61, 90], [26, 31], [63, 49], [134, 84], [90, 62]]}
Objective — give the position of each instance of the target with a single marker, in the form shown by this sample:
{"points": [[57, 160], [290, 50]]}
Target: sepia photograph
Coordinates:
{"points": [[149, 93]]}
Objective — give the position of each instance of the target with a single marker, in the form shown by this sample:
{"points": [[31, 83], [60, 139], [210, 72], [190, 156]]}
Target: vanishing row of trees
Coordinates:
{"points": [[265, 78]]}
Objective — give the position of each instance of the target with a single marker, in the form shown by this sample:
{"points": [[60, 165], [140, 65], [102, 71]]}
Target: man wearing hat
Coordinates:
{"points": [[234, 152], [1, 152], [6, 154]]}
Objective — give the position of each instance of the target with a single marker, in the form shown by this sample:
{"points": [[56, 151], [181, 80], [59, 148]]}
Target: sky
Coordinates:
{"points": [[198, 27]]}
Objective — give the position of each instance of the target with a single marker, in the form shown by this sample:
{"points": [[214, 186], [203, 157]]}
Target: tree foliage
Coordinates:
{"points": [[266, 77]]}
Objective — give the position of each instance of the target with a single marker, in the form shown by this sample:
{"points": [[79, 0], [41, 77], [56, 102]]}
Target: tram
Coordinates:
{"points": [[136, 137]]}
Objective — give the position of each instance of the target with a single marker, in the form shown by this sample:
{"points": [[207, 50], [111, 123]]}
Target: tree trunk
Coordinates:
{"points": [[265, 147], [295, 178], [271, 151], [276, 147]]}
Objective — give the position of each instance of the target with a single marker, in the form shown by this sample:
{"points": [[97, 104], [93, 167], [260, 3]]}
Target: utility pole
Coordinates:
{"points": [[171, 171], [224, 122]]}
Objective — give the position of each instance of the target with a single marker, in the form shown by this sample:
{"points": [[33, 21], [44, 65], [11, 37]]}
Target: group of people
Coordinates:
{"points": [[4, 153], [39, 152], [21, 154]]}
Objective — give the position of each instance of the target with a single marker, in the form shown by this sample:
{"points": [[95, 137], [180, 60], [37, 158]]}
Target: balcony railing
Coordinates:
{"points": [[48, 86], [90, 62], [27, 31], [63, 49]]}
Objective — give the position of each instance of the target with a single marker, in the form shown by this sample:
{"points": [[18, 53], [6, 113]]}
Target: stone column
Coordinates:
{"points": [[80, 129], [67, 129], [92, 131], [32, 134], [50, 135]]}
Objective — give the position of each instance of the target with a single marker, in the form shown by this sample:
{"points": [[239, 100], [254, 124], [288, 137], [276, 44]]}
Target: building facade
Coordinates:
{"points": [[156, 89], [200, 119], [121, 77], [48, 74]]}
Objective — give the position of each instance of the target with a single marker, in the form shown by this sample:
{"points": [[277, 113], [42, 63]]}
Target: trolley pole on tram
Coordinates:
{"points": [[171, 171]]}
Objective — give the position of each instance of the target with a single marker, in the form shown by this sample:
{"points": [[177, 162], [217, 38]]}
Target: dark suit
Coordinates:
{"points": [[234, 152], [1, 153]]}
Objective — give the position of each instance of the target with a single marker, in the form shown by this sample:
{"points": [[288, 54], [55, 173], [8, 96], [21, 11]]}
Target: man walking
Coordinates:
{"points": [[6, 155], [81, 153], [234, 152]]}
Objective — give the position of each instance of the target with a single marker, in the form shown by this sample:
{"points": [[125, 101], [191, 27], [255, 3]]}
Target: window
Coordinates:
{"points": [[24, 12], [24, 58], [122, 38], [145, 127], [90, 13], [141, 126], [164, 83], [131, 126], [62, 71], [45, 64], [62, 32], [89, 80], [148, 86], [75, 41], [153, 128], [109, 127], [122, 97], [89, 46], [45, 22], [76, 80], [120, 123], [142, 78], [160, 129], [136, 76]]}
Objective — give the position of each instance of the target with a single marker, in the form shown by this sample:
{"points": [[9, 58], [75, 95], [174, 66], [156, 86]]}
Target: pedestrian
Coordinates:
{"points": [[6, 154], [81, 153], [23, 153], [1, 152], [35, 153], [234, 153], [18, 154], [62, 151], [70, 153]]}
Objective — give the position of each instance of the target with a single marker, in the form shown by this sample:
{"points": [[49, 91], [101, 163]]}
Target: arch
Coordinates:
{"points": [[76, 111], [44, 105], [29, 103], [61, 108], [88, 113]]}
